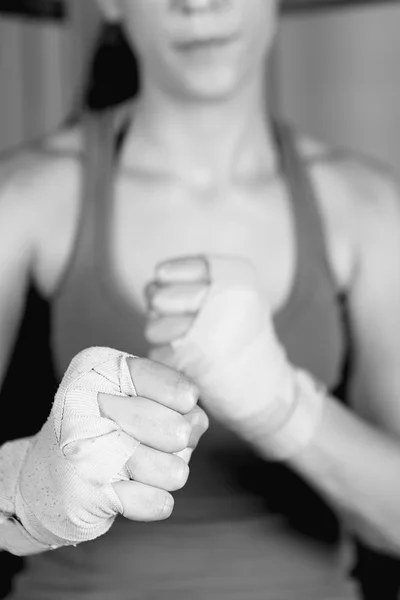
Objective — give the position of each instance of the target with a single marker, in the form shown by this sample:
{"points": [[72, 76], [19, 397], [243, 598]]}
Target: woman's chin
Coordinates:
{"points": [[212, 87]]}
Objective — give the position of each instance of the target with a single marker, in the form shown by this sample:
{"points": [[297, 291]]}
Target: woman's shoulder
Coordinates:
{"points": [[357, 194], [40, 197], [346, 177], [32, 173], [29, 175], [41, 177]]}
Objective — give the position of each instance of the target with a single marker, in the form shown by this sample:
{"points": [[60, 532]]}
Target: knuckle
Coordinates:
{"points": [[138, 367], [87, 358]]}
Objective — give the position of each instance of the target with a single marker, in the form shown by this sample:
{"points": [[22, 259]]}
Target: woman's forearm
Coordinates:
{"points": [[357, 468], [13, 536]]}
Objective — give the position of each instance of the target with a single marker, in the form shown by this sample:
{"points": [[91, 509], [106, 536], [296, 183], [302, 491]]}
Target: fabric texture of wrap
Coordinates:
{"points": [[62, 493], [245, 378], [231, 350]]}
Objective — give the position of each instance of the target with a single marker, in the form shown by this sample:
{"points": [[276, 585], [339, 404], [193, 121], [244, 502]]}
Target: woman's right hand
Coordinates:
{"points": [[117, 440]]}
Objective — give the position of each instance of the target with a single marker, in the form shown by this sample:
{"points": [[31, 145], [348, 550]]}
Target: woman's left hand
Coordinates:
{"points": [[208, 319]]}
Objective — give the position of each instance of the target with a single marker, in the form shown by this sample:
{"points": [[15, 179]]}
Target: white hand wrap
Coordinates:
{"points": [[233, 354], [231, 350], [58, 483], [300, 425]]}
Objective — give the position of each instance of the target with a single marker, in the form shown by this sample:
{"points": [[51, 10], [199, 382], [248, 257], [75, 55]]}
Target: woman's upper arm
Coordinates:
{"points": [[17, 223], [374, 305]]}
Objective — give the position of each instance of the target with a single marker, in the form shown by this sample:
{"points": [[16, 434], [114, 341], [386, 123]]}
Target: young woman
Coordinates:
{"points": [[196, 166]]}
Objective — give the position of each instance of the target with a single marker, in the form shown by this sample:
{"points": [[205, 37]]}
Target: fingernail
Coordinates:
{"points": [[164, 270], [185, 454], [168, 506], [183, 433], [190, 268]]}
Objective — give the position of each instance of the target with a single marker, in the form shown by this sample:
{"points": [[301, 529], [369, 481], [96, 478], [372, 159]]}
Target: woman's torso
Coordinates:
{"points": [[161, 217], [233, 530]]}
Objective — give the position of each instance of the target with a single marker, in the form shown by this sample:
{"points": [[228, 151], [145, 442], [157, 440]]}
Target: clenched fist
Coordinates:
{"points": [[208, 318], [117, 441]]}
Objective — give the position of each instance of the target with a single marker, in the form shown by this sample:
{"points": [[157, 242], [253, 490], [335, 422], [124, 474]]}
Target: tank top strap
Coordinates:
{"points": [[102, 195], [104, 138], [99, 175], [94, 154], [102, 134], [99, 139], [309, 226]]}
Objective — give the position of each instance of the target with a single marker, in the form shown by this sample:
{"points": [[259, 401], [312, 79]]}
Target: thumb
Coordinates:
{"points": [[199, 423]]}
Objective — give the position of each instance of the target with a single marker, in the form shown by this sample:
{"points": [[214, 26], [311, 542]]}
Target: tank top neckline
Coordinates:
{"points": [[306, 221]]}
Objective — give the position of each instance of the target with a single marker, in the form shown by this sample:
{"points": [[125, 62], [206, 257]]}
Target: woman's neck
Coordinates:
{"points": [[206, 143]]}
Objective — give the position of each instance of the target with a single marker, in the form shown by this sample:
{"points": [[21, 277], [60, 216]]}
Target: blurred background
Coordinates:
{"points": [[336, 76], [337, 69]]}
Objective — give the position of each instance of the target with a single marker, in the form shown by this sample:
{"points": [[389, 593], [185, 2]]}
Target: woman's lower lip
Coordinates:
{"points": [[207, 44]]}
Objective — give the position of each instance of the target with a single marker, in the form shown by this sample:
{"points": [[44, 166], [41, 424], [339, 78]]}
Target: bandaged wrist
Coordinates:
{"points": [[13, 536], [58, 490], [301, 426], [298, 427]]}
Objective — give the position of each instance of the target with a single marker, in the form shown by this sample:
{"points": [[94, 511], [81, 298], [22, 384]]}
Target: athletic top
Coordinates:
{"points": [[242, 528]]}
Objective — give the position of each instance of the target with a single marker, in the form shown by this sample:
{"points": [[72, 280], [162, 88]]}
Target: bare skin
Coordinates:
{"points": [[222, 193]]}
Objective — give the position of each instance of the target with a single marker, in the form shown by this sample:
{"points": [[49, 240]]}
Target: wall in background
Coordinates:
{"points": [[338, 75], [34, 76], [42, 66], [340, 78]]}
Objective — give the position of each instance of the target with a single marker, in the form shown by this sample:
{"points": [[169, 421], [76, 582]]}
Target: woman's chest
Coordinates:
{"points": [[138, 228], [148, 226]]}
